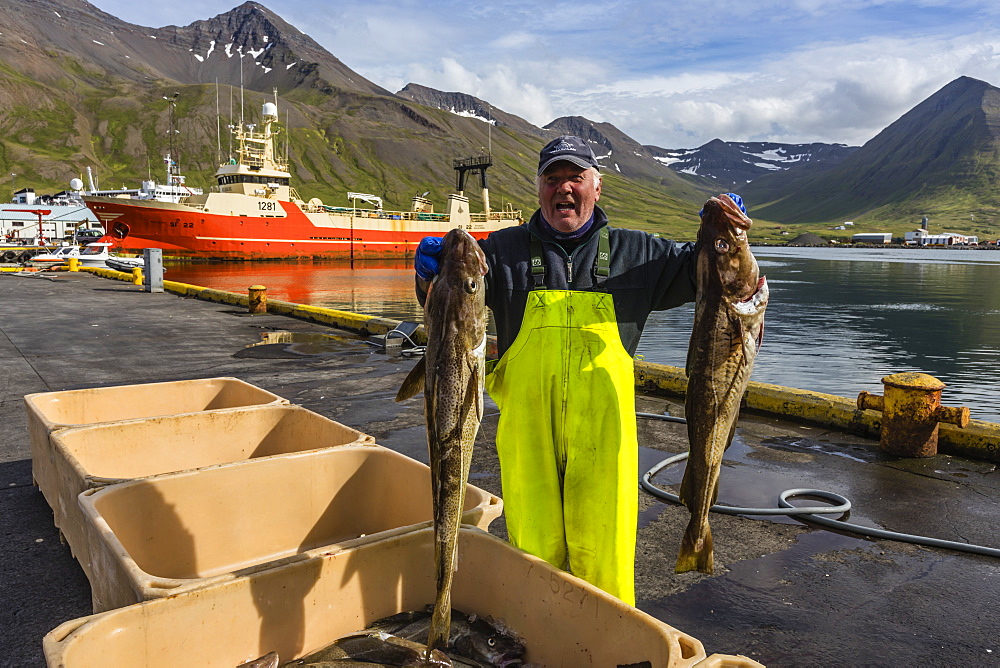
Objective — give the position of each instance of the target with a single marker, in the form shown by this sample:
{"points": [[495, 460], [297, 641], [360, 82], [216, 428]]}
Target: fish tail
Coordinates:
{"points": [[696, 551], [440, 628]]}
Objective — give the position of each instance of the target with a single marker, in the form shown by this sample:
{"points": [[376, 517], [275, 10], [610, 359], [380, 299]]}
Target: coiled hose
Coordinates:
{"points": [[804, 513]]}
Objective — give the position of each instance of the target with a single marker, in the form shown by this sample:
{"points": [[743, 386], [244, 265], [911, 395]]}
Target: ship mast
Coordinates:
{"points": [[171, 162]]}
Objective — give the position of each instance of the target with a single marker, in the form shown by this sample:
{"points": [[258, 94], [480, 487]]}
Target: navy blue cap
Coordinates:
{"points": [[569, 148]]}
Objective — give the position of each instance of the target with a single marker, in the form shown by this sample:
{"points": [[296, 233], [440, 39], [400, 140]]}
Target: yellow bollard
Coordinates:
{"points": [[911, 411], [74, 264], [258, 298], [136, 275]]}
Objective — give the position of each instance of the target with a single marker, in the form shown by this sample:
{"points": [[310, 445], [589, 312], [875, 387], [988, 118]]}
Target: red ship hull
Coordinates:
{"points": [[284, 233]]}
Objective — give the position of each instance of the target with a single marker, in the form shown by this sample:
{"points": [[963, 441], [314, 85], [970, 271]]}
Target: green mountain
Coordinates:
{"points": [[941, 159], [82, 89]]}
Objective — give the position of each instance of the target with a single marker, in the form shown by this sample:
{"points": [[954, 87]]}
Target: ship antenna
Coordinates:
{"points": [[218, 124], [241, 90], [231, 112], [172, 103]]}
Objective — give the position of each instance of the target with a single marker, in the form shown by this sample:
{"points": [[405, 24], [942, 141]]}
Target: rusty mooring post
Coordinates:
{"points": [[911, 411], [258, 298]]}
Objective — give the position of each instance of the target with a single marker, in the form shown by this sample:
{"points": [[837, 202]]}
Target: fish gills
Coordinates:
{"points": [[727, 332], [453, 370]]}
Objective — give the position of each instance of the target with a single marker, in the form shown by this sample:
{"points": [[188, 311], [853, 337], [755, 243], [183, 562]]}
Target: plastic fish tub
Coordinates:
{"points": [[105, 454], [157, 536], [49, 412], [300, 607], [729, 661]]}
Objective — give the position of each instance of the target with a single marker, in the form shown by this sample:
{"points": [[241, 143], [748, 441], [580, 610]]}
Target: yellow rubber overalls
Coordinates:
{"points": [[567, 436]]}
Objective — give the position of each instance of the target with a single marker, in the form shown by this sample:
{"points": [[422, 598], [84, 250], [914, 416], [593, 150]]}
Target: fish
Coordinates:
{"points": [[480, 640], [728, 329], [269, 660], [451, 374], [372, 648]]}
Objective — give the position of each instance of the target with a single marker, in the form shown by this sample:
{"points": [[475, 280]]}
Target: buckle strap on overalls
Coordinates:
{"points": [[602, 263]]}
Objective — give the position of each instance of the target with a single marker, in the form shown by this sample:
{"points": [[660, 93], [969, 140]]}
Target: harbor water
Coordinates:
{"points": [[839, 319]]}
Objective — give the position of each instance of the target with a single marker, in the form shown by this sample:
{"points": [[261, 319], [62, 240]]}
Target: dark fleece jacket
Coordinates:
{"points": [[647, 273]]}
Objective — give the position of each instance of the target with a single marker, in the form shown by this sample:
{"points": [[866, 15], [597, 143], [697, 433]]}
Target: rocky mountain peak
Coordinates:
{"points": [[463, 104]]}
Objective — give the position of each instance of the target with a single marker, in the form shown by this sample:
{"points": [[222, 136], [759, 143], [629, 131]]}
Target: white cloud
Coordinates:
{"points": [[675, 73], [838, 93]]}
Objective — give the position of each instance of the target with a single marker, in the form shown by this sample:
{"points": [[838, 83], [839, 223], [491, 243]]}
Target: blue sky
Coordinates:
{"points": [[673, 73]]}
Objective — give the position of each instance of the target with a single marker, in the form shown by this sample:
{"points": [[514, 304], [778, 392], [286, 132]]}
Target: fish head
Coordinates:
{"points": [[459, 287], [483, 642], [461, 258], [725, 260]]}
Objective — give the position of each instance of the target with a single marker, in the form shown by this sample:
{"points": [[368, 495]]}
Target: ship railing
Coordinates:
{"points": [[408, 215], [376, 213], [508, 214]]}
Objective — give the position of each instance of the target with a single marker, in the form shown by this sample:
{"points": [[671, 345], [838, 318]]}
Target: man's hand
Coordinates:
{"points": [[737, 200], [425, 261]]}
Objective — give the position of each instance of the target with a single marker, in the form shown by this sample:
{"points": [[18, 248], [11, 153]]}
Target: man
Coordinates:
{"points": [[570, 297]]}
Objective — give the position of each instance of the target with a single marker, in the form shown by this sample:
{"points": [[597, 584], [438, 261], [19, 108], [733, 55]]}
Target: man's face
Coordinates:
{"points": [[567, 195]]}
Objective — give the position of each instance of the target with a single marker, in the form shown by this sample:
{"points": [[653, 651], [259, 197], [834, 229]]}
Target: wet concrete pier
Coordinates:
{"points": [[784, 593]]}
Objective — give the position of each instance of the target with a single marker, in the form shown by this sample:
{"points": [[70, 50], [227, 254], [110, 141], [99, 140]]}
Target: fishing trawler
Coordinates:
{"points": [[253, 213]]}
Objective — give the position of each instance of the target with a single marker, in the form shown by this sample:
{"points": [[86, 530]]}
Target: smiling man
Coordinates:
{"points": [[570, 296]]}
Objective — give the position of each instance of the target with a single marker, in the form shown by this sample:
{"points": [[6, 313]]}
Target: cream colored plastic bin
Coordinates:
{"points": [[104, 454], [49, 412], [157, 536], [300, 607], [729, 661]]}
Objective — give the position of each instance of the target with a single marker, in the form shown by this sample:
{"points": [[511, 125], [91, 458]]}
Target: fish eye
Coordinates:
{"points": [[471, 285], [722, 245]]}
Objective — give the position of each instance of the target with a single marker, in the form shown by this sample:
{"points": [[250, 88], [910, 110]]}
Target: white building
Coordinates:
{"points": [[921, 237], [872, 238]]}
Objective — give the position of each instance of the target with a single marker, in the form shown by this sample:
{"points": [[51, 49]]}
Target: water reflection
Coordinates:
{"points": [[838, 320], [381, 287]]}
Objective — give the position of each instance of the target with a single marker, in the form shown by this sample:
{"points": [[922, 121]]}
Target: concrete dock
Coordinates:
{"points": [[784, 593]]}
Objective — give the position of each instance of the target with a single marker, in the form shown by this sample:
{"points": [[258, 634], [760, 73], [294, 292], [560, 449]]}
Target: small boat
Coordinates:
{"points": [[60, 255], [95, 254], [126, 264]]}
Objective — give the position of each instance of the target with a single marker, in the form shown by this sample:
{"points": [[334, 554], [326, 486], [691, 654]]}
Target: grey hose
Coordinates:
{"points": [[805, 513]]}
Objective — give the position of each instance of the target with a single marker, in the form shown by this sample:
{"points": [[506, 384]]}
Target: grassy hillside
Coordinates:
{"points": [[349, 142]]}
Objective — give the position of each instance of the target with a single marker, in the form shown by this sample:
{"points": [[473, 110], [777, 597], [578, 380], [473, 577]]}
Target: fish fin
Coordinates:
{"points": [[695, 554], [413, 384], [685, 493], [474, 384]]}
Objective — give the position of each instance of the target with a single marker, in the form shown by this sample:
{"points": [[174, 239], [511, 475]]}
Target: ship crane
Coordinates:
{"points": [[478, 164]]}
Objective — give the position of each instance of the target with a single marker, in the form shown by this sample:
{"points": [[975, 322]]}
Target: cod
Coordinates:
{"points": [[451, 374], [727, 332]]}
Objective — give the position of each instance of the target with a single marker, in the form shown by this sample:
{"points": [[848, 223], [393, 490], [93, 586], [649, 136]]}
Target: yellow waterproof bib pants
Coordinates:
{"points": [[567, 439]]}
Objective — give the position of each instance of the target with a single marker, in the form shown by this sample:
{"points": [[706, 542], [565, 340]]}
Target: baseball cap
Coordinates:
{"points": [[569, 148]]}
